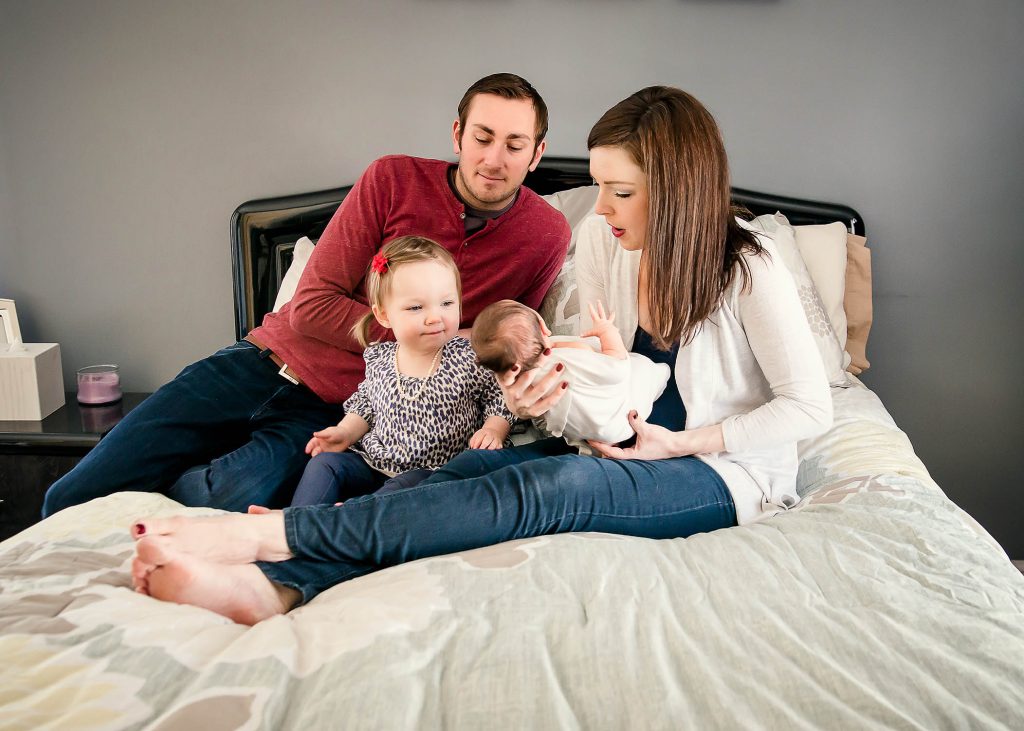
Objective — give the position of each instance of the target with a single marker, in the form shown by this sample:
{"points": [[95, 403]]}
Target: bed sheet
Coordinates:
{"points": [[876, 602]]}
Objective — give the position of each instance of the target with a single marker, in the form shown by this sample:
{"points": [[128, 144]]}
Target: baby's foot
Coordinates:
{"points": [[230, 539], [241, 593]]}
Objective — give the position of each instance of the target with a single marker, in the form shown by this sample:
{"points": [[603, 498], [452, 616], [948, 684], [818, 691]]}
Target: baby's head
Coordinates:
{"points": [[507, 333]]}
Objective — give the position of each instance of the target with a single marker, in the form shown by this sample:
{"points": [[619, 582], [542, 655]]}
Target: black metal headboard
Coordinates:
{"points": [[264, 232]]}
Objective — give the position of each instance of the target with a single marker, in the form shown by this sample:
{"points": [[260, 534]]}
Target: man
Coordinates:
{"points": [[229, 431]]}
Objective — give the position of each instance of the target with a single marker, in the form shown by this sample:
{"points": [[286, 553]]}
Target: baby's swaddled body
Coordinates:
{"points": [[602, 391]]}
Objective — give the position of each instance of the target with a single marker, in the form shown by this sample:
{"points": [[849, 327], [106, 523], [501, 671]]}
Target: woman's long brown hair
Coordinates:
{"points": [[694, 245]]}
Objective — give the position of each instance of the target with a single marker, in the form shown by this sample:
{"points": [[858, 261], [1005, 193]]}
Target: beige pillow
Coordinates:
{"points": [[825, 338], [823, 249], [857, 302]]}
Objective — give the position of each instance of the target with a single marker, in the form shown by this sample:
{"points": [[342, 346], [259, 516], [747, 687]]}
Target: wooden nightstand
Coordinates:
{"points": [[33, 454]]}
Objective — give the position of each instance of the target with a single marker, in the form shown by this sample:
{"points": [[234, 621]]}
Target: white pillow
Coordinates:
{"points": [[575, 204], [300, 255], [561, 306], [825, 338], [823, 249]]}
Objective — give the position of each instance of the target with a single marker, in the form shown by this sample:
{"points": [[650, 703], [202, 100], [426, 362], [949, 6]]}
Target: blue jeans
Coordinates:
{"points": [[485, 497], [227, 432], [332, 477]]}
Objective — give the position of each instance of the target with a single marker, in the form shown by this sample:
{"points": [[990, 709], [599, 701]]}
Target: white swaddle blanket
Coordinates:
{"points": [[602, 391]]}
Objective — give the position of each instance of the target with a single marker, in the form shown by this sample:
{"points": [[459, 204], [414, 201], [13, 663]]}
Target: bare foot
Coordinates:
{"points": [[240, 593], [228, 539], [260, 510]]}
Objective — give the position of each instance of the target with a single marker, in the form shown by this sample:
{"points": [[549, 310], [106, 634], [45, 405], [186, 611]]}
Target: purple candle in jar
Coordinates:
{"points": [[99, 384]]}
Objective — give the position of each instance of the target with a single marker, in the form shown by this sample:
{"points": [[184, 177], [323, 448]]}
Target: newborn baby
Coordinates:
{"points": [[606, 381]]}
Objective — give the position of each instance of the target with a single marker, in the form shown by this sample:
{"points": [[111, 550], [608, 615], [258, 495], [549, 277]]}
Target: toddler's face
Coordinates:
{"points": [[422, 308]]}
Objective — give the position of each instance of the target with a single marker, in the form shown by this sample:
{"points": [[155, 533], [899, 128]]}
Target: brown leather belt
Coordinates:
{"points": [[285, 371]]}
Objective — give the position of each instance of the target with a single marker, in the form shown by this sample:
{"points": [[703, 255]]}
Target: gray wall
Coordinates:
{"points": [[131, 130]]}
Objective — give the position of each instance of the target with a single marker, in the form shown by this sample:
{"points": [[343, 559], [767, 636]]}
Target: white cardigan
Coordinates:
{"points": [[753, 367]]}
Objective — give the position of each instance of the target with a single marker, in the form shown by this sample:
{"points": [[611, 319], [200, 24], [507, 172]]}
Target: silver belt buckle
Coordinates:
{"points": [[287, 376]]}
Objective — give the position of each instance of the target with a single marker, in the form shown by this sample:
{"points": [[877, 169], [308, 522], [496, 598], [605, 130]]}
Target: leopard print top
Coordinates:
{"points": [[427, 432]]}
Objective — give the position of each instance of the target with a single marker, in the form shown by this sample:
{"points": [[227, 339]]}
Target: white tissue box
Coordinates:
{"points": [[31, 382]]}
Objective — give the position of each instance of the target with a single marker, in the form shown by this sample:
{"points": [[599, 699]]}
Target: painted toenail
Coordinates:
{"points": [[140, 529]]}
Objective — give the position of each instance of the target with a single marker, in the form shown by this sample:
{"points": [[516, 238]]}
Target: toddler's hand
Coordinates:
{"points": [[486, 439], [331, 439]]}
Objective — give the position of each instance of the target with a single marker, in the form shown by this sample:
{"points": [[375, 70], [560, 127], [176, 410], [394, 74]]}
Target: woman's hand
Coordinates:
{"points": [[528, 395], [657, 442]]}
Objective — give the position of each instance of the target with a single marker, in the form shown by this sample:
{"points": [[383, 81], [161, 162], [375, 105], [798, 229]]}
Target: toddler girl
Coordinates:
{"points": [[424, 397]]}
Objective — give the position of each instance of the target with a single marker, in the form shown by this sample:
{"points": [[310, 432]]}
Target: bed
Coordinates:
{"points": [[874, 603]]}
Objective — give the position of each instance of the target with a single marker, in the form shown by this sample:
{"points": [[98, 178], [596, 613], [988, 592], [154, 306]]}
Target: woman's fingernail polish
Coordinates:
{"points": [[565, 385], [547, 351], [515, 368], [559, 367], [140, 529]]}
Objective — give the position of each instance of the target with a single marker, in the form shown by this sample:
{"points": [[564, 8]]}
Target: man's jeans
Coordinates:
{"points": [[227, 432], [485, 497]]}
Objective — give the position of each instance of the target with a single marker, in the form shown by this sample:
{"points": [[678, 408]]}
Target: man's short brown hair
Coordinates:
{"points": [[507, 86], [506, 333]]}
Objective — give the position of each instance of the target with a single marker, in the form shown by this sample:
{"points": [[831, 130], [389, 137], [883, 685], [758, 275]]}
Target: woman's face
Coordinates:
{"points": [[622, 198]]}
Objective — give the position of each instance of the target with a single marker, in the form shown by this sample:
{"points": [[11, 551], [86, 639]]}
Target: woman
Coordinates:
{"points": [[691, 286]]}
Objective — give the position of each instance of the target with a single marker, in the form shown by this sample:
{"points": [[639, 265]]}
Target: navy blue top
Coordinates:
{"points": [[669, 410]]}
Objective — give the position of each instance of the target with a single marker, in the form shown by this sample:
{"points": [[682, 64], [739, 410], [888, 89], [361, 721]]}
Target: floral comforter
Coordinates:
{"points": [[875, 603]]}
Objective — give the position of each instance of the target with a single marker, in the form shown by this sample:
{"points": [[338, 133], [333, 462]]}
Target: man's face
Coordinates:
{"points": [[495, 151]]}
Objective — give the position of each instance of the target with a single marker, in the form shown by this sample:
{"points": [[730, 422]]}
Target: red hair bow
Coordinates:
{"points": [[379, 263]]}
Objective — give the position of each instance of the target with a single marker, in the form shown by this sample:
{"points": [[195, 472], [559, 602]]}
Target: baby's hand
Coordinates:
{"points": [[602, 323], [604, 329], [486, 438], [331, 439]]}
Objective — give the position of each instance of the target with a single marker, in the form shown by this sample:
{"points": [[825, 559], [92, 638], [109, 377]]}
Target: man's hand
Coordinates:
{"points": [[528, 395]]}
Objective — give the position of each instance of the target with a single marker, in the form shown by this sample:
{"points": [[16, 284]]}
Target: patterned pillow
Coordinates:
{"points": [[832, 355], [822, 248], [561, 306]]}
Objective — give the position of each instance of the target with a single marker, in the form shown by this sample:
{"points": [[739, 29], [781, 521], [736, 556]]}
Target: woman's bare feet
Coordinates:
{"points": [[241, 593], [226, 539]]}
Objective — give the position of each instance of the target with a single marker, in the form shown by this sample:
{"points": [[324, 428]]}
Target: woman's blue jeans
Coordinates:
{"points": [[485, 497], [227, 432]]}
